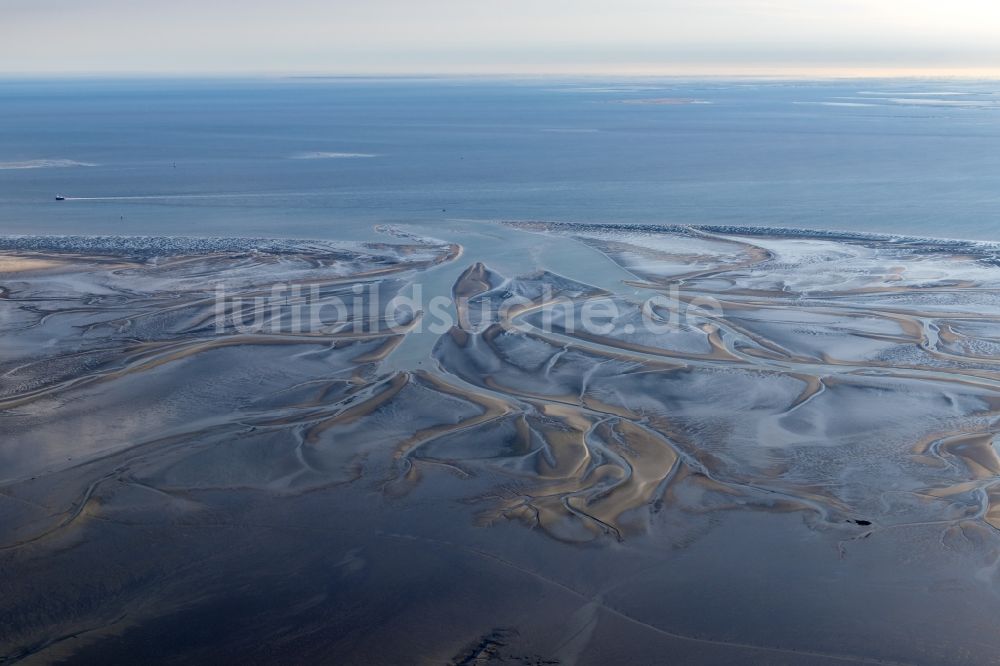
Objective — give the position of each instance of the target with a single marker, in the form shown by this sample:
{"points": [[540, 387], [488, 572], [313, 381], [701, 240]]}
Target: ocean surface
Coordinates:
{"points": [[328, 158]]}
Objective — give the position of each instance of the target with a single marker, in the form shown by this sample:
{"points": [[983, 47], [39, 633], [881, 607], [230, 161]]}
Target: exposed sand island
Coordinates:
{"points": [[775, 448]]}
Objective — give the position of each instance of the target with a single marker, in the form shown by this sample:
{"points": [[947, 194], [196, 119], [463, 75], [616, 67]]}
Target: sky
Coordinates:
{"points": [[528, 37]]}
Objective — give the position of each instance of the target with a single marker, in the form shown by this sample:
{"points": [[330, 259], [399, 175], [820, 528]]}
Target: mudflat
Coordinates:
{"points": [[719, 446]]}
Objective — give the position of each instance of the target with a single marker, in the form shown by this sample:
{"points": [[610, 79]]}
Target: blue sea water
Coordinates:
{"points": [[328, 158]]}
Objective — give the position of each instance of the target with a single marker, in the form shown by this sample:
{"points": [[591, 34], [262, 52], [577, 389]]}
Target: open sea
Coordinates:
{"points": [[328, 158]]}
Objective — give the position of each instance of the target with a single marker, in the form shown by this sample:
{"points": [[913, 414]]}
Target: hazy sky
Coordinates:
{"points": [[500, 36]]}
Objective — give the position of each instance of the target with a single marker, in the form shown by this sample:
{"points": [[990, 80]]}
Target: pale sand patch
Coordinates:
{"points": [[16, 264]]}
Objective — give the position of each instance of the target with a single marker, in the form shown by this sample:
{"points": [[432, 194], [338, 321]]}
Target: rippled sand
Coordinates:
{"points": [[804, 472]]}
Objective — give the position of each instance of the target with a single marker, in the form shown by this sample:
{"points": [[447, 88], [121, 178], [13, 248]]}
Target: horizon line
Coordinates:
{"points": [[751, 72]]}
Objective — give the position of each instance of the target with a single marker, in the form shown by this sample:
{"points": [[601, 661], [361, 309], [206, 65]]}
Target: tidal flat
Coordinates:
{"points": [[603, 444]]}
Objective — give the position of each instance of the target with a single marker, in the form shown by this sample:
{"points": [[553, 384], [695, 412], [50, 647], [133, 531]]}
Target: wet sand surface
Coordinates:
{"points": [[797, 466]]}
